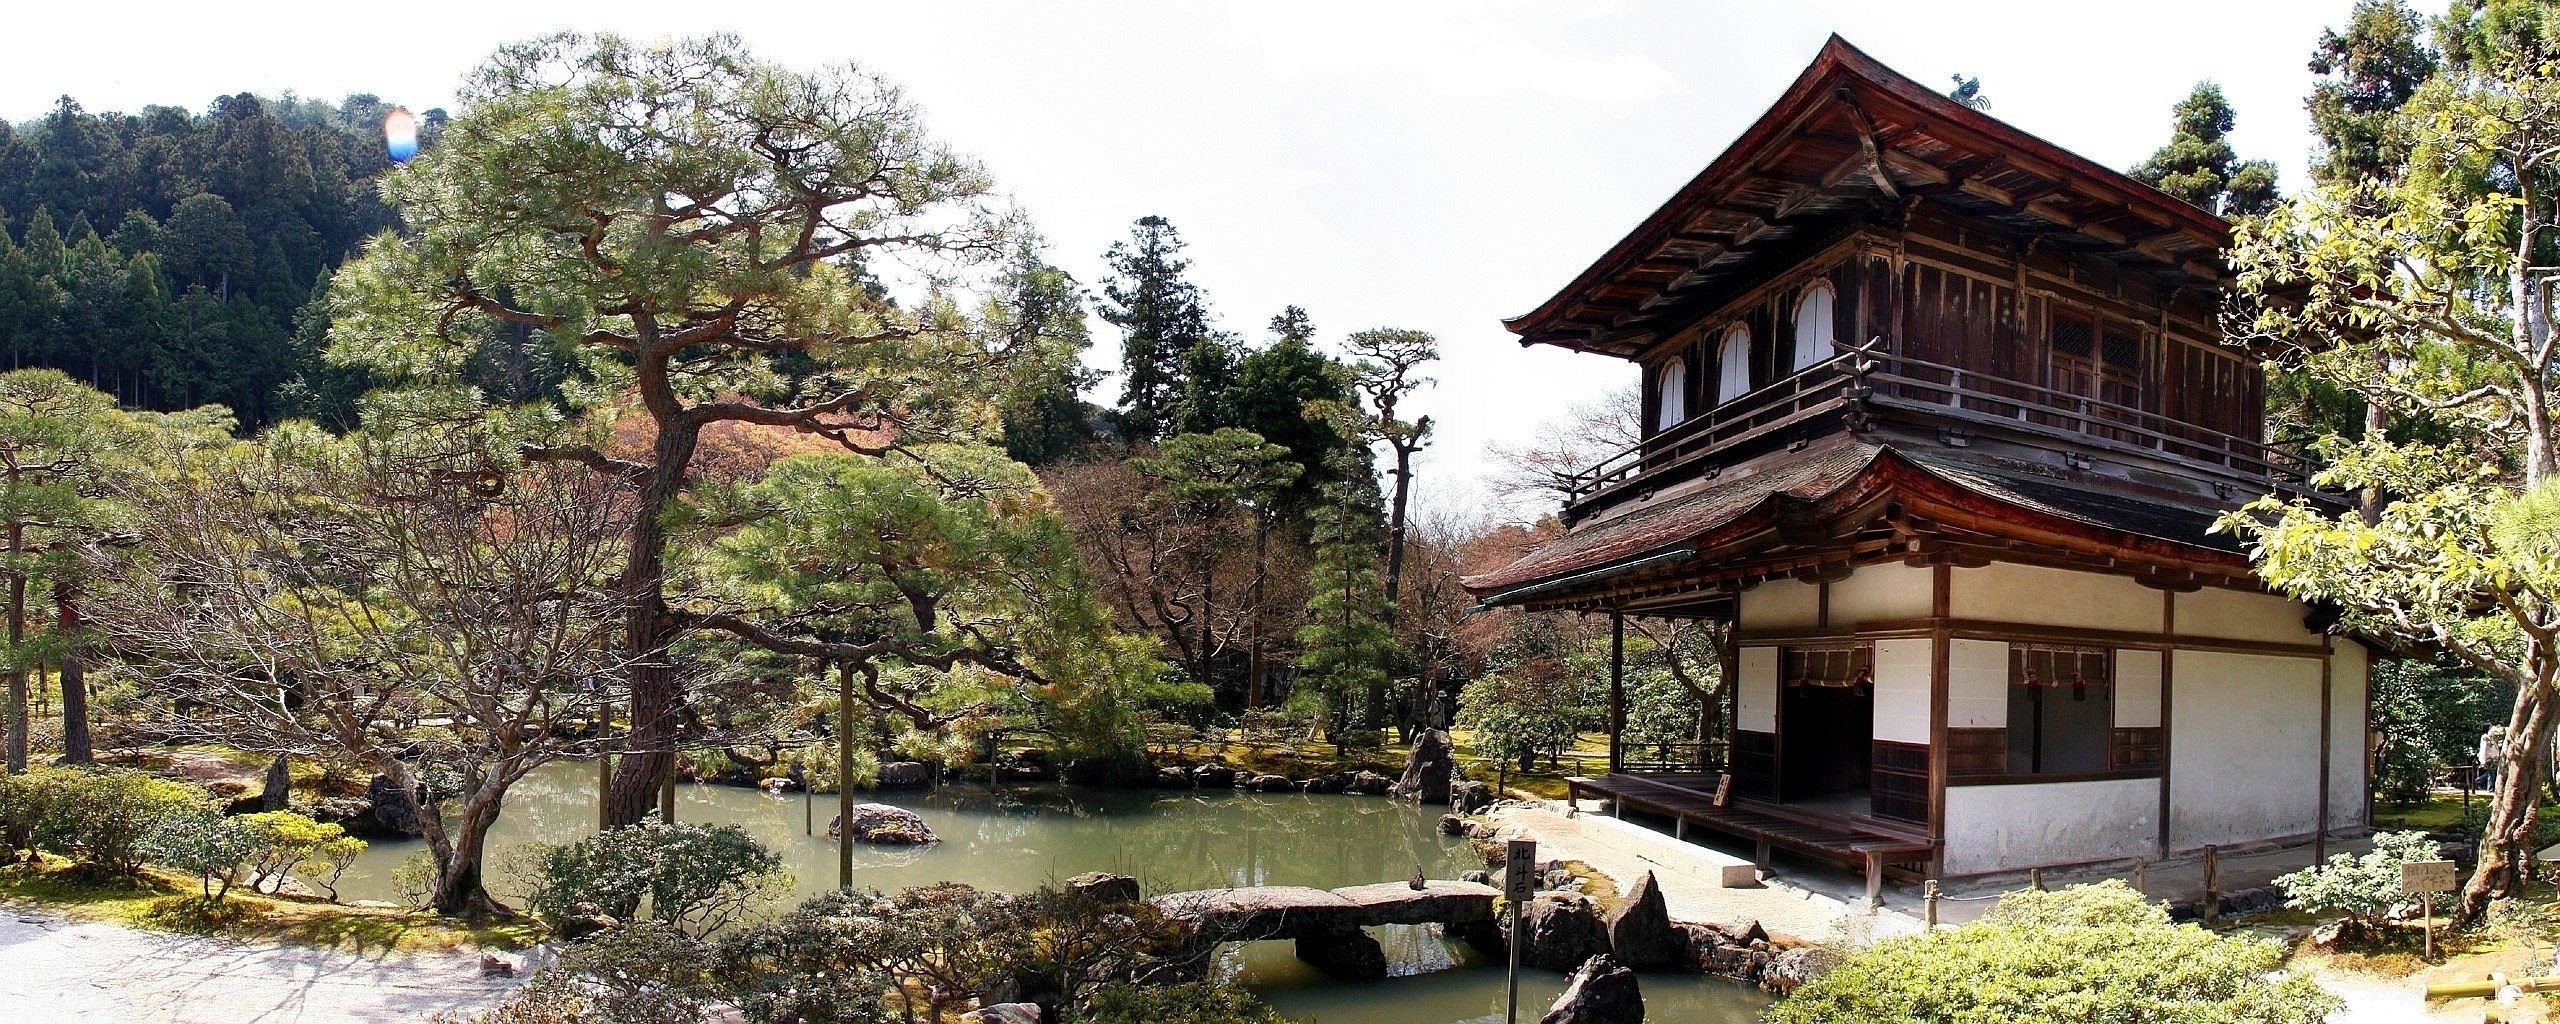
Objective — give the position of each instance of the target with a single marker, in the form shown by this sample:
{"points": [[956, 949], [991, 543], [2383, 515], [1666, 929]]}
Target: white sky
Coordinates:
{"points": [[1430, 165]]}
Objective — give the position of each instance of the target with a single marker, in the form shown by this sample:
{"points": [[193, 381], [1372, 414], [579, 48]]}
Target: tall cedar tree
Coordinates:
{"points": [[2198, 165], [1162, 318], [693, 223]]}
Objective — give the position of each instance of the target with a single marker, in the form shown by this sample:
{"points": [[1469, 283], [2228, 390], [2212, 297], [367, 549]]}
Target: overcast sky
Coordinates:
{"points": [[1430, 165]]}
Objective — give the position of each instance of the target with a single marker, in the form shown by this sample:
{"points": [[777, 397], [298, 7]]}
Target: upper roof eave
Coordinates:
{"points": [[1841, 66]]}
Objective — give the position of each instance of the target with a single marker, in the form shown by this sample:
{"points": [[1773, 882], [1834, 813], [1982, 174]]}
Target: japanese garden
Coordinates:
{"points": [[671, 535]]}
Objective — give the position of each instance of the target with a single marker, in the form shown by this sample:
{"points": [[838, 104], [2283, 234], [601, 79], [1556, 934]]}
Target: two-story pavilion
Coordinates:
{"points": [[1938, 418]]}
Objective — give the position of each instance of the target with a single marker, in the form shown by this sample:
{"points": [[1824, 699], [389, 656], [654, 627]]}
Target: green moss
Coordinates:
{"points": [[162, 901]]}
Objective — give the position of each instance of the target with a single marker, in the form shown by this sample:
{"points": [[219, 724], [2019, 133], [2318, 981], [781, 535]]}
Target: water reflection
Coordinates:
{"points": [[1019, 838]]}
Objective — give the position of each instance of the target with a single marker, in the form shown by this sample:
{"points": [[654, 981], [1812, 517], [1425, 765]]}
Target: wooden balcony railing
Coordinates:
{"points": [[1870, 379]]}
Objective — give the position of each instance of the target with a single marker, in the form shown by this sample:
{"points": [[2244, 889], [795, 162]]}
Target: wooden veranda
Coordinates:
{"points": [[1878, 847]]}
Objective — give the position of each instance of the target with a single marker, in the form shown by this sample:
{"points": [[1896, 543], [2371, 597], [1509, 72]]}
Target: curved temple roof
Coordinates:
{"points": [[1852, 140]]}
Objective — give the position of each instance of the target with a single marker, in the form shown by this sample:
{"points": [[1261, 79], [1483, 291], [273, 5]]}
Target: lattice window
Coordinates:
{"points": [[2073, 336]]}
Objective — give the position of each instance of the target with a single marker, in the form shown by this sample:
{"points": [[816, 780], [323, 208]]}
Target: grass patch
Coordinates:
{"points": [[164, 901], [2441, 812]]}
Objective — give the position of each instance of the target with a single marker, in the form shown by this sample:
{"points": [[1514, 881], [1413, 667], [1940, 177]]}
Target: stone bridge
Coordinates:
{"points": [[1326, 923]]}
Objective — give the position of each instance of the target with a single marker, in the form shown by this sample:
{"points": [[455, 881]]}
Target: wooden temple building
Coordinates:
{"points": [[1938, 418]]}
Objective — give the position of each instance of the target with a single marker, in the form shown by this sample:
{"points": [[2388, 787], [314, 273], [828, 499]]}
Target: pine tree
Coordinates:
{"points": [[1346, 644], [2199, 166]]}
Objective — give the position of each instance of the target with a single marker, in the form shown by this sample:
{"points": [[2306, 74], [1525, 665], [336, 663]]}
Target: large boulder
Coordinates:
{"points": [[1105, 887], [1560, 931], [278, 792], [391, 811], [1602, 992], [1334, 782], [1272, 784], [1214, 776], [1344, 954], [1368, 783], [1640, 932], [1004, 1013], [1470, 797], [1427, 769], [883, 824], [1798, 967], [905, 775]]}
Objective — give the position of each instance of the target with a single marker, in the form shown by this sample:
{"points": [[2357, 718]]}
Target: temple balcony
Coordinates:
{"points": [[1874, 392]]}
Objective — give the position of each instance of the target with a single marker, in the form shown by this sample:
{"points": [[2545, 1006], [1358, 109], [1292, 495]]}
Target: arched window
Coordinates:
{"points": [[1814, 325], [1674, 404], [1733, 364]]}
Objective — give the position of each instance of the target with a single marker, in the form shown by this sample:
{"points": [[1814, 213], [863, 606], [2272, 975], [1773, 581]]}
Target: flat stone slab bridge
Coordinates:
{"points": [[1326, 923]]}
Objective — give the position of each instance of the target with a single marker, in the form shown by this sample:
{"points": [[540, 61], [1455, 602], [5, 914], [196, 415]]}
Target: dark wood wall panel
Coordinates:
{"points": [[2135, 749], [1898, 784], [1972, 752], [1755, 763]]}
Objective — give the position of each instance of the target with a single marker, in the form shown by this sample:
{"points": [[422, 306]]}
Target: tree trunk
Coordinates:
{"points": [[460, 857], [657, 695], [76, 747], [2514, 804]]}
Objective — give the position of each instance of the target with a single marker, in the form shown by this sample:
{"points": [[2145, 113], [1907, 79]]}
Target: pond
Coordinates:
{"points": [[1021, 837]]}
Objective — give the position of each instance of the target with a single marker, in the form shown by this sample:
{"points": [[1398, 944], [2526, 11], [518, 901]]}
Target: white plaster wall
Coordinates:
{"points": [[1782, 604], [1977, 684], [2347, 746], [2137, 689], [2242, 615], [1881, 592], [2003, 592], [1756, 700], [2013, 828], [2244, 747], [1902, 690]]}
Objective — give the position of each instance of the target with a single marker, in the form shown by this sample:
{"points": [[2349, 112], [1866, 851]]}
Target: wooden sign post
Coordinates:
{"points": [[1519, 883], [2424, 879], [1724, 790]]}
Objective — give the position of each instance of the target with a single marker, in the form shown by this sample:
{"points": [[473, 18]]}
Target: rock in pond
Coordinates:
{"points": [[1563, 930], [1797, 967], [1602, 992], [1214, 776], [1427, 769], [1640, 932], [905, 775], [1108, 888], [1272, 784], [393, 812], [1344, 954], [1367, 783], [884, 825], [1170, 777]]}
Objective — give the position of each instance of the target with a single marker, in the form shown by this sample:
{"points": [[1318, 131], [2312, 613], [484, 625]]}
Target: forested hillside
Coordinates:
{"points": [[166, 256]]}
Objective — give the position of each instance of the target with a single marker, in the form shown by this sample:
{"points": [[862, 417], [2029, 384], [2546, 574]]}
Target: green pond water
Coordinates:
{"points": [[1022, 837]]}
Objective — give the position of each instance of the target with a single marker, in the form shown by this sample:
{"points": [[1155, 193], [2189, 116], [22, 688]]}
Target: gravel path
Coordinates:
{"points": [[59, 971]]}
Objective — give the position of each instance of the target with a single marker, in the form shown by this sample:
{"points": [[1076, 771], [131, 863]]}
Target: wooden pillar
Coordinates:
{"points": [[1941, 599], [2320, 830], [2168, 707], [1617, 691]]}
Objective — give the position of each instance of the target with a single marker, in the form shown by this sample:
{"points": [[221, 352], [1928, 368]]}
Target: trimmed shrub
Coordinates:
{"points": [[2087, 953], [99, 817], [292, 844], [696, 878], [2365, 888], [204, 844]]}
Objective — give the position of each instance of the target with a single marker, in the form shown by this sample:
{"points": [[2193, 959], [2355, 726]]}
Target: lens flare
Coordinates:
{"points": [[400, 134]]}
